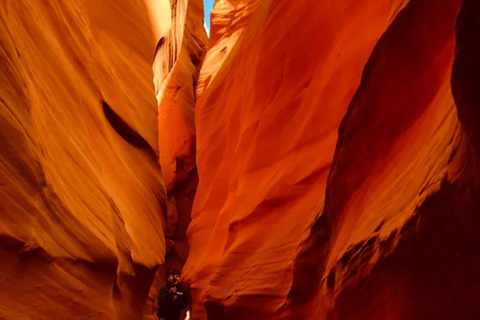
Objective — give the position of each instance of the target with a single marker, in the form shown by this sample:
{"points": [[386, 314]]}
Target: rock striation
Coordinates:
{"points": [[178, 57], [324, 156], [81, 222], [337, 154]]}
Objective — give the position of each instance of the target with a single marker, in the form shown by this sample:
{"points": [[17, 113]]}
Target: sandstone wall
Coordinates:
{"points": [[82, 200], [337, 171], [177, 63]]}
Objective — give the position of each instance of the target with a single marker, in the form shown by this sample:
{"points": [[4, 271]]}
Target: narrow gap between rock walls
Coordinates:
{"points": [[207, 5]]}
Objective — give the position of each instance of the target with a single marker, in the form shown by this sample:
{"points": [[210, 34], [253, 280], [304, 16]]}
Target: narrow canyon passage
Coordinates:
{"points": [[295, 159], [85, 219]]}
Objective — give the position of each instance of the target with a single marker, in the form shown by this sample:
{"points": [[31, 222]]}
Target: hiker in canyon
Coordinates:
{"points": [[172, 299]]}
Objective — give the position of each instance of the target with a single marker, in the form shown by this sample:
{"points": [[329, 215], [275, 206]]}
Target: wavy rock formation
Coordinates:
{"points": [[332, 148], [338, 173], [81, 225], [177, 64]]}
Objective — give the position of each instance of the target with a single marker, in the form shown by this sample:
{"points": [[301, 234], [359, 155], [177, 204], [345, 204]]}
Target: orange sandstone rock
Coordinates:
{"points": [[388, 191], [176, 66], [336, 145], [338, 175], [276, 83], [81, 194]]}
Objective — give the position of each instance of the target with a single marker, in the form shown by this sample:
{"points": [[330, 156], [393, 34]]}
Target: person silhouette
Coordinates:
{"points": [[172, 299]]}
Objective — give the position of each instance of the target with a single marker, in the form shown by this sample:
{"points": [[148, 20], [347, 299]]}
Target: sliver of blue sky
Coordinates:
{"points": [[208, 5]]}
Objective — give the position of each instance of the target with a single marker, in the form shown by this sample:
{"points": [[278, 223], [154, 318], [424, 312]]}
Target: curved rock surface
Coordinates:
{"points": [[338, 174], [81, 222], [178, 56], [335, 146]]}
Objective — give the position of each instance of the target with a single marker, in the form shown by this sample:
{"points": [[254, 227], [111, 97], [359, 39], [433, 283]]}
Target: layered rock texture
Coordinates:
{"points": [[82, 198], [177, 63], [337, 153], [331, 147]]}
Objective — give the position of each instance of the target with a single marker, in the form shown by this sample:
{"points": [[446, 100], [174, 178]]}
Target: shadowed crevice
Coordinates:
{"points": [[125, 131], [159, 45]]}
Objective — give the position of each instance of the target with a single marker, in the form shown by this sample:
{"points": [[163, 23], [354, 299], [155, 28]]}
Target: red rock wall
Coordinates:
{"points": [[177, 63], [337, 172], [335, 142], [81, 194], [179, 52]]}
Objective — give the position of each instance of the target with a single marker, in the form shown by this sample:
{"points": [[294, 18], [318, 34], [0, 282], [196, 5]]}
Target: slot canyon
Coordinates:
{"points": [[301, 160]]}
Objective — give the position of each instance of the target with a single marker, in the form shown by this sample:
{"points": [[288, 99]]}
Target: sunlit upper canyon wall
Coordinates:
{"points": [[310, 160], [83, 203]]}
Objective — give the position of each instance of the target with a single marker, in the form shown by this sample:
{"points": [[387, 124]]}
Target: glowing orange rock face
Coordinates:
{"points": [[337, 148], [81, 227], [176, 67], [294, 221]]}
